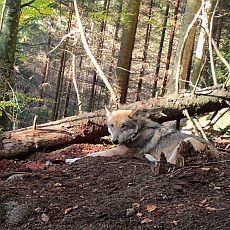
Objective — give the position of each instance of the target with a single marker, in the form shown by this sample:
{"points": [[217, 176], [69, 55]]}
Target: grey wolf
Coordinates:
{"points": [[144, 137]]}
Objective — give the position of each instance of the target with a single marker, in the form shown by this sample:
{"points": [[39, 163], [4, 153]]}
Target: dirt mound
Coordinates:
{"points": [[112, 193]]}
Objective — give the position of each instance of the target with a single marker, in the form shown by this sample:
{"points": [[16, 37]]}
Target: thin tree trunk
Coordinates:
{"points": [[170, 48], [115, 37], [61, 71], [98, 55], [45, 72], [118, 22], [160, 49], [145, 52], [59, 85], [79, 105], [69, 87]]}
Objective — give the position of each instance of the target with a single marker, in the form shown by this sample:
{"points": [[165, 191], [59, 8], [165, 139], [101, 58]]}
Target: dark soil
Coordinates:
{"points": [[115, 193]]}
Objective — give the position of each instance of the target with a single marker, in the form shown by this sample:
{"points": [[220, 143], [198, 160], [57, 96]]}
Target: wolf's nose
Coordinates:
{"points": [[115, 141]]}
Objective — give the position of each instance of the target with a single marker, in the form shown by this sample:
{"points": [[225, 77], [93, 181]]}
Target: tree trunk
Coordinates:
{"points": [[115, 37], [192, 7], [170, 47], [45, 71], [160, 49], [198, 61], [126, 49], [61, 71], [145, 53], [60, 79], [8, 36], [99, 56], [69, 87], [90, 126]]}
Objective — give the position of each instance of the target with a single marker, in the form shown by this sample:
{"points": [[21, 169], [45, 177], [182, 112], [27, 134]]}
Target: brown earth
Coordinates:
{"points": [[114, 193]]}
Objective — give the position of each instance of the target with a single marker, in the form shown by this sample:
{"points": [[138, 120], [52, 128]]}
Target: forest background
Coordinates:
{"points": [[144, 48]]}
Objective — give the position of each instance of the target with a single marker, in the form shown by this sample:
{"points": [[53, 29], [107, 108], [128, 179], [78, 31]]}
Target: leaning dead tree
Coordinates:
{"points": [[91, 126]]}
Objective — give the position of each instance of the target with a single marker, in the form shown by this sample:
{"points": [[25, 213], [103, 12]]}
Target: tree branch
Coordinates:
{"points": [[27, 3], [92, 58]]}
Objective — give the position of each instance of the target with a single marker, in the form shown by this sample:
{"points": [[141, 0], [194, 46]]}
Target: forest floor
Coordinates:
{"points": [[43, 192]]}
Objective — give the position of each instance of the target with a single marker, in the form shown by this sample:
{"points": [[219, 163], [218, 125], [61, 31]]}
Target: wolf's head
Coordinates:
{"points": [[122, 126]]}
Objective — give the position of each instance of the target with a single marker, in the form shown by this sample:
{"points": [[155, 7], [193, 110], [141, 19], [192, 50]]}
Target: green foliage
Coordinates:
{"points": [[20, 57], [18, 101], [39, 8], [98, 16], [221, 69]]}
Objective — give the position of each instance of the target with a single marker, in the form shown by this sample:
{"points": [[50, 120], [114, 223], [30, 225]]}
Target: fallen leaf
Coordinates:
{"points": [[146, 220], [205, 169], [174, 222], [151, 207], [44, 218], [135, 205], [204, 201], [57, 185], [130, 211], [68, 210], [139, 214]]}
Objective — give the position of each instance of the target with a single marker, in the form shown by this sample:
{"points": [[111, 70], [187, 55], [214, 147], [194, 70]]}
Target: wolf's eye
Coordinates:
{"points": [[111, 125], [124, 126]]}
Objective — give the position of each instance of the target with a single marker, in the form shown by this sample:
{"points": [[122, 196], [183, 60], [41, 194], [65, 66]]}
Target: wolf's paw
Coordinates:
{"points": [[150, 158], [72, 160]]}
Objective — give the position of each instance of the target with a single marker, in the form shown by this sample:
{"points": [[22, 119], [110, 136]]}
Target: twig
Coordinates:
{"points": [[186, 114], [27, 3], [198, 78], [190, 167], [225, 62], [92, 58], [75, 83], [2, 15], [219, 115], [200, 129], [35, 122], [210, 46], [63, 38]]}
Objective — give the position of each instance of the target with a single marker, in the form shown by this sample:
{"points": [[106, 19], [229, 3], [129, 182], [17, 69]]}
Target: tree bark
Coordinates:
{"points": [[170, 47], [90, 126], [198, 60], [159, 54], [190, 11], [61, 71], [126, 49], [145, 52], [8, 37], [45, 72], [100, 46]]}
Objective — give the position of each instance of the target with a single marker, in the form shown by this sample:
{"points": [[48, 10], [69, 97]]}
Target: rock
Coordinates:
{"points": [[13, 213], [16, 177]]}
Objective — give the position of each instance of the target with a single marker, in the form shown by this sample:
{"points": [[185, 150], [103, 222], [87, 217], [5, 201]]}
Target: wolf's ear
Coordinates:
{"points": [[108, 112], [134, 113]]}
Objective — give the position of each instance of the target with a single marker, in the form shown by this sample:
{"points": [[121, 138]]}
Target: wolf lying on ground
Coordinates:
{"points": [[144, 137]]}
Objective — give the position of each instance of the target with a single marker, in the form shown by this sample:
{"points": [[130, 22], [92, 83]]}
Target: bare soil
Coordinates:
{"points": [[115, 193]]}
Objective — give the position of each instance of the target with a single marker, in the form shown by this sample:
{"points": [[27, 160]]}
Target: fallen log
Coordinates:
{"points": [[90, 126]]}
